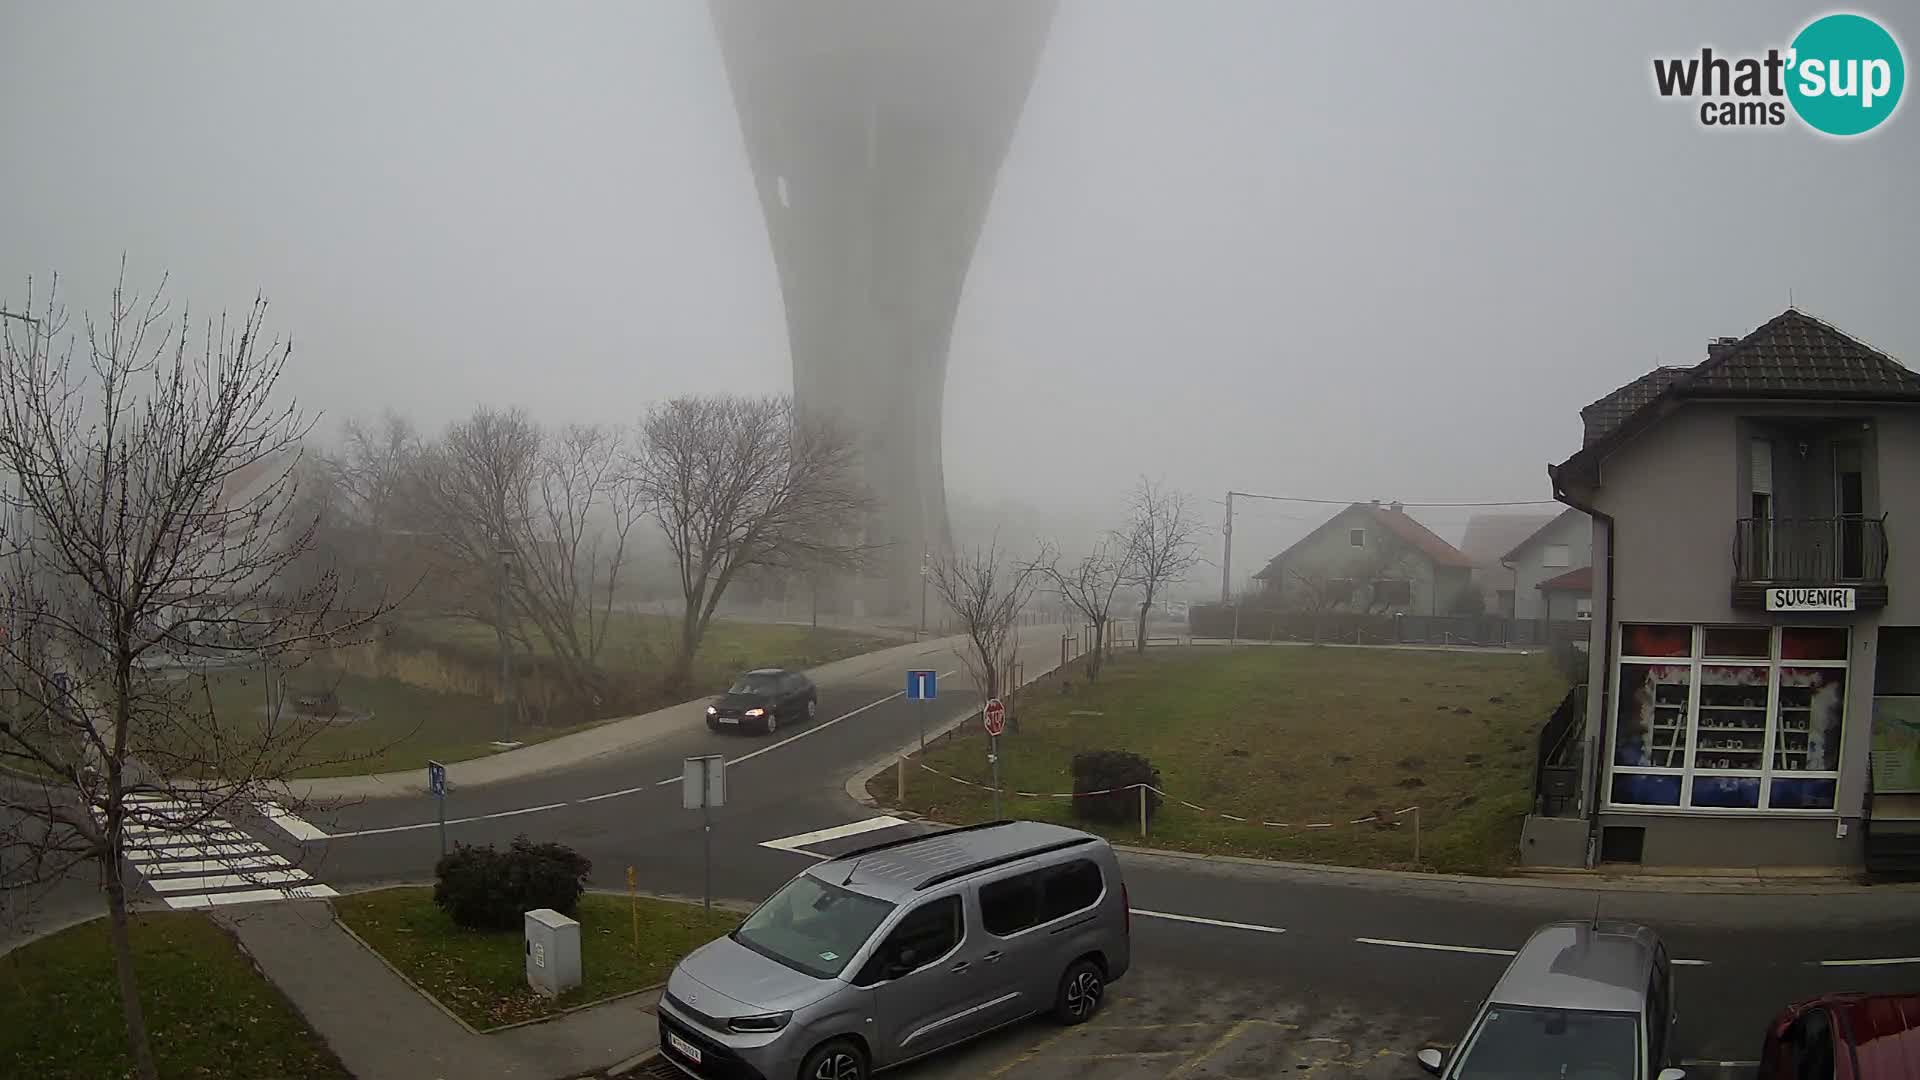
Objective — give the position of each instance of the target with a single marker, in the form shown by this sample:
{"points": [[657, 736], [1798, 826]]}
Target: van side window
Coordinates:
{"points": [[1656, 1023], [924, 935], [1813, 1057], [1072, 887], [1010, 905]]}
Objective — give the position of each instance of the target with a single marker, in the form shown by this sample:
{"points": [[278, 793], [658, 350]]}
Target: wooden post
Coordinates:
{"points": [[1416, 837], [900, 780], [633, 902], [1143, 810]]}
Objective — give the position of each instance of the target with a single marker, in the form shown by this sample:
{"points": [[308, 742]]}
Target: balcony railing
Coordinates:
{"points": [[1810, 551]]}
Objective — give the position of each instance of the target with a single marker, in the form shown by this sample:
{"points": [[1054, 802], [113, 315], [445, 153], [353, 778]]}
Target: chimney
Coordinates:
{"points": [[1398, 507], [1376, 504], [1720, 347]]}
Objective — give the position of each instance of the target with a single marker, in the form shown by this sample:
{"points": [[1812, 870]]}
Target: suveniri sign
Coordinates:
{"points": [[1810, 599]]}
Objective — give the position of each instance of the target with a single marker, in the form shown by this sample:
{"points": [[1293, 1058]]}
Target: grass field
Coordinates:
{"points": [[211, 1016], [482, 976], [1295, 734], [410, 724]]}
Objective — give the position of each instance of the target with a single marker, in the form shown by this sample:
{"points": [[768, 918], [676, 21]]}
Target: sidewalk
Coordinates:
{"points": [[382, 1029], [612, 737]]}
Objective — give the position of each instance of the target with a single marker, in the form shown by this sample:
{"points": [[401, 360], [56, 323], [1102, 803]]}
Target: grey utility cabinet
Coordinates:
{"points": [[553, 952]]}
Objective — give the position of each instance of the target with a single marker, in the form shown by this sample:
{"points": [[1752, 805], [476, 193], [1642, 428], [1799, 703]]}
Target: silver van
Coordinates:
{"points": [[895, 951]]}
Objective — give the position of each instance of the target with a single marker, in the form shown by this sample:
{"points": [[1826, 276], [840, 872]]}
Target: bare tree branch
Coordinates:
{"points": [[1162, 545], [986, 591]]}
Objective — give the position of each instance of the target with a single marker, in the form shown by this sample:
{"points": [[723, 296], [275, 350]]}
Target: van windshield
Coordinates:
{"points": [[812, 926], [1520, 1043]]}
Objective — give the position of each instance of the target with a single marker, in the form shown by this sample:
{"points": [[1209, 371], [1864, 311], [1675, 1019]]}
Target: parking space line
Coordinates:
{"points": [[1871, 961], [1171, 917]]}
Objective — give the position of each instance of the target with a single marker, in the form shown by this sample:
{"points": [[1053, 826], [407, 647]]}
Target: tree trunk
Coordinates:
{"points": [[136, 1021], [1140, 628]]}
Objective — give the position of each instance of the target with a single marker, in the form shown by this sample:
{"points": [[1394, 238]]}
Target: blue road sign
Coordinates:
{"points": [[921, 685], [436, 780]]}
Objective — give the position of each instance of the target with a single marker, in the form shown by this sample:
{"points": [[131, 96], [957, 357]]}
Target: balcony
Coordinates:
{"points": [[1810, 553]]}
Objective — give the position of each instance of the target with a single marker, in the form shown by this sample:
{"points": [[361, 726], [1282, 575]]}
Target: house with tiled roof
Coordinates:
{"points": [[1369, 558], [1754, 691], [1549, 570], [1487, 539]]}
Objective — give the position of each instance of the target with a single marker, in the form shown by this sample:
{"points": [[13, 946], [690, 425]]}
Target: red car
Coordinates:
{"points": [[1845, 1037]]}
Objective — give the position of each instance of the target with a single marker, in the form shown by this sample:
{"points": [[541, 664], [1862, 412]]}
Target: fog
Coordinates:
{"points": [[1329, 250]]}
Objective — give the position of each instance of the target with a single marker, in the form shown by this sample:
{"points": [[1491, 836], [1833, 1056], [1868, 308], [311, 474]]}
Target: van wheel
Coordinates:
{"points": [[838, 1059], [1079, 995]]}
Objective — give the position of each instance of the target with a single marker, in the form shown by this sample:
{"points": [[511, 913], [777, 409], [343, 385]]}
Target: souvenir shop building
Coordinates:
{"points": [[1754, 692]]}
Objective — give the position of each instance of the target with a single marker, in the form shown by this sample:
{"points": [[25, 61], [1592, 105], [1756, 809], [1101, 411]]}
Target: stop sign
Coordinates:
{"points": [[996, 716]]}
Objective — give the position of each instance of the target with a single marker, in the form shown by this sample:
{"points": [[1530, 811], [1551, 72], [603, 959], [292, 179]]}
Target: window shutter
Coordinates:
{"points": [[1762, 467]]}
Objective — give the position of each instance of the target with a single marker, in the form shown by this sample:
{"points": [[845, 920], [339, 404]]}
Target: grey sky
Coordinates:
{"points": [[1335, 250]]}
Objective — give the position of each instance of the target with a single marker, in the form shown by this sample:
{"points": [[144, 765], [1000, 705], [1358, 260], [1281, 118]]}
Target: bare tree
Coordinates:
{"points": [[986, 591], [1088, 585], [741, 482], [155, 481], [1162, 545]]}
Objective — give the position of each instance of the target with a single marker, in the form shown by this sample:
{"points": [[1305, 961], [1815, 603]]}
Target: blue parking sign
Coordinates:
{"points": [[921, 685], [436, 779]]}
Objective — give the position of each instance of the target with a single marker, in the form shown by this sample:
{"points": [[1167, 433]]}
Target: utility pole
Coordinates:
{"points": [[1226, 554], [500, 629]]}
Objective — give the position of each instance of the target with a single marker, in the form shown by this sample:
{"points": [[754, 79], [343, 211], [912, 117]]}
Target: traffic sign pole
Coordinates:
{"points": [[437, 784], [993, 759], [922, 686], [994, 719]]}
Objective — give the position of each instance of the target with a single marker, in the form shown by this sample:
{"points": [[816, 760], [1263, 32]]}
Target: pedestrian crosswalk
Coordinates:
{"points": [[832, 842], [195, 862]]}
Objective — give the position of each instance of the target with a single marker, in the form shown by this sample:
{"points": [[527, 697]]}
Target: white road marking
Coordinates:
{"points": [[614, 794], [1875, 961], [226, 881], [252, 896], [1433, 947], [1678, 962], [450, 821], [814, 730], [1720, 1064], [212, 851], [183, 839], [264, 861], [291, 823], [1171, 917], [819, 836]]}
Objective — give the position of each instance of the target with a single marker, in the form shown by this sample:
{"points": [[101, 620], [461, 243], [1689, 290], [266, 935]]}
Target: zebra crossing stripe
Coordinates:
{"points": [[227, 881], [267, 861], [251, 896], [211, 851]]}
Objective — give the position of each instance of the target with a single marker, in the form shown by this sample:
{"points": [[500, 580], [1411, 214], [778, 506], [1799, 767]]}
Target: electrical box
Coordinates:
{"points": [[553, 952]]}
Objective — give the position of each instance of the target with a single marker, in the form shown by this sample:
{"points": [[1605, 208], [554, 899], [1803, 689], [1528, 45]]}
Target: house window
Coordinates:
{"points": [[1583, 607], [1728, 718], [1556, 557], [1392, 592], [1357, 538]]}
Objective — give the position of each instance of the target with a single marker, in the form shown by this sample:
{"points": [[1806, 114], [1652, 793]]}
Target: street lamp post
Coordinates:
{"points": [[920, 633]]}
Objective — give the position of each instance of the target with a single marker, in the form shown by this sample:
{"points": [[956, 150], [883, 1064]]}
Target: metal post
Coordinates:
{"points": [[921, 712], [706, 834], [1416, 837], [900, 780], [921, 632], [441, 809], [993, 759], [1142, 788], [1226, 551]]}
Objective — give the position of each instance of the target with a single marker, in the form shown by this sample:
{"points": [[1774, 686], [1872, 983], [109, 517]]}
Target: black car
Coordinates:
{"points": [[763, 699]]}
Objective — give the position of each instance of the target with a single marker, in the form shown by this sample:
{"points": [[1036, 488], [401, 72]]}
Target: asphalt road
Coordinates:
{"points": [[1241, 970]]}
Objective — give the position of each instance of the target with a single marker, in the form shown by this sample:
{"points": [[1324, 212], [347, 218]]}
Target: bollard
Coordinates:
{"points": [[1416, 838], [1143, 811], [900, 779]]}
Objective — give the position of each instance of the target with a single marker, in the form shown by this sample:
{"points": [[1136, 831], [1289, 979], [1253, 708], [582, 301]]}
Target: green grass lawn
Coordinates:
{"points": [[482, 976], [211, 1016], [1290, 734]]}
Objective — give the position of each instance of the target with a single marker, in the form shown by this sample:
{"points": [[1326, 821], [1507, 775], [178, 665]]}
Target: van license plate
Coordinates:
{"points": [[684, 1048]]}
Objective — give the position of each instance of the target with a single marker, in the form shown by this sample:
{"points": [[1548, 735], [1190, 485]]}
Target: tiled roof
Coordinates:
{"points": [[1602, 417], [1791, 356], [1580, 580], [1532, 536], [1490, 536], [1414, 534]]}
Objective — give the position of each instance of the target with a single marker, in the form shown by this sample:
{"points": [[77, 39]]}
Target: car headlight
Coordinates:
{"points": [[711, 710], [759, 1025], [756, 712]]}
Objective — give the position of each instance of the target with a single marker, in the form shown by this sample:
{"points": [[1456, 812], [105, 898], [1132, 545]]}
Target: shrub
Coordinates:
{"points": [[1113, 772], [484, 889]]}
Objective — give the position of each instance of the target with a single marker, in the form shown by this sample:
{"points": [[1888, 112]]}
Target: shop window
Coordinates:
{"points": [[1727, 792], [1737, 642], [1645, 789], [1813, 643], [1647, 639], [1810, 719], [1650, 724]]}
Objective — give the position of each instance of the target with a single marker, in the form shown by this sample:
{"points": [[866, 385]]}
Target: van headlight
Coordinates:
{"points": [[756, 712], [759, 1025]]}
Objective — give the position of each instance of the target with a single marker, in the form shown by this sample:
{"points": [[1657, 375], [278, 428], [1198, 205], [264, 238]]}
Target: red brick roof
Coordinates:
{"points": [[1580, 580], [1423, 539]]}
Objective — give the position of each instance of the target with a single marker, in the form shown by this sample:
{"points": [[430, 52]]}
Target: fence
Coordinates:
{"points": [[1252, 623]]}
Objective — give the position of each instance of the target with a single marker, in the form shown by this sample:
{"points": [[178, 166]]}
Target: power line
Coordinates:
{"points": [[1419, 505]]}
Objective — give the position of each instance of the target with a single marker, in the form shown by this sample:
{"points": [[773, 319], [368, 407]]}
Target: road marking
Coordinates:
{"points": [[1875, 961], [1433, 947], [226, 881], [1690, 963], [615, 794], [290, 823], [252, 896], [819, 836], [450, 821], [814, 730], [211, 851], [263, 861], [1721, 1064], [1171, 917]]}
